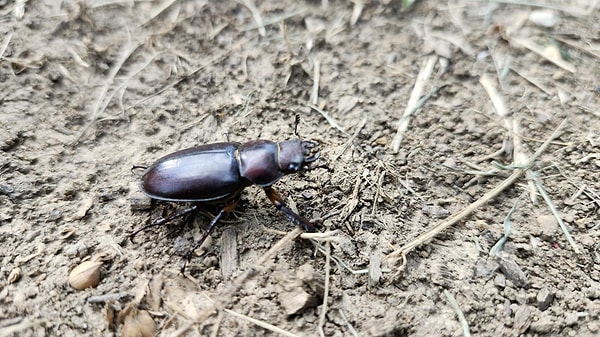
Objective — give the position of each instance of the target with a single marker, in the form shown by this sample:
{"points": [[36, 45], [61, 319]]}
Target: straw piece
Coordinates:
{"points": [[412, 106], [456, 217]]}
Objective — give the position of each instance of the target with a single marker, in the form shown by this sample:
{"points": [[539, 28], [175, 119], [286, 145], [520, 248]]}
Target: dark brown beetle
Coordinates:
{"points": [[217, 174]]}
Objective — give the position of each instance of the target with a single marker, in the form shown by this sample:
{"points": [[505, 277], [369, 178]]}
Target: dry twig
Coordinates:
{"points": [[323, 314], [262, 324]]}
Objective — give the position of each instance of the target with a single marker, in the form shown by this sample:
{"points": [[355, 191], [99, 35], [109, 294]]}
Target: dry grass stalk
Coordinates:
{"points": [[229, 253], [127, 49], [521, 157], [183, 78], [226, 296], [349, 142], [273, 20], [495, 250], [20, 326], [5, 44], [314, 100], [378, 192], [215, 330], [535, 83], [459, 313], [321, 236], [158, 10], [262, 324], [545, 52], [323, 314], [329, 119], [548, 200], [412, 106], [359, 5], [256, 16], [574, 11], [497, 100], [573, 44], [348, 324], [456, 217]]}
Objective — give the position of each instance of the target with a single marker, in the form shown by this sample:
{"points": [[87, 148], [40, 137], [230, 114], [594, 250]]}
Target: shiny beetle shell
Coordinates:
{"points": [[213, 173]]}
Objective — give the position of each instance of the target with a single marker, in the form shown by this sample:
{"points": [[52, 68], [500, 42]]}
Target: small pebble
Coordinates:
{"points": [[139, 201], [542, 326], [78, 249], [522, 319], [522, 297], [85, 206], [593, 326], [485, 267], [544, 298], [435, 211], [500, 281], [548, 226], [85, 275], [374, 269], [14, 276], [544, 18], [571, 318], [513, 272], [139, 324], [295, 300]]}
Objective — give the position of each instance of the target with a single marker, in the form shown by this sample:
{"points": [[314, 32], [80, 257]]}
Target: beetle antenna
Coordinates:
{"points": [[297, 121]]}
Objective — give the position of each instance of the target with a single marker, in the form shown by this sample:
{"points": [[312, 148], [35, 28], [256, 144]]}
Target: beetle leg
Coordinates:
{"points": [[275, 198], [162, 221], [188, 256]]}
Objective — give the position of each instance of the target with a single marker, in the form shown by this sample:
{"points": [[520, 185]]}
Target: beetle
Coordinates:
{"points": [[218, 173]]}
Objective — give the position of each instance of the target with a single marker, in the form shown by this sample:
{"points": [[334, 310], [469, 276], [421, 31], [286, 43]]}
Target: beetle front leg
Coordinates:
{"points": [[298, 219]]}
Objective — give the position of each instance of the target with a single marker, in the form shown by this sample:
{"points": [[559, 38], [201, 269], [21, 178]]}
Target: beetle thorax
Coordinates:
{"points": [[258, 162]]}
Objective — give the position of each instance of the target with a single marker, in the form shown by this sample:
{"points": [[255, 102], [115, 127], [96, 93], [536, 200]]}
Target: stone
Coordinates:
{"points": [[484, 268], [500, 281], [544, 298], [513, 272], [522, 319], [548, 226], [593, 326], [296, 300]]}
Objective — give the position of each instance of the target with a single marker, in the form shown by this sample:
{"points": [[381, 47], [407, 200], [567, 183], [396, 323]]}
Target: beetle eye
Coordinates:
{"points": [[293, 167]]}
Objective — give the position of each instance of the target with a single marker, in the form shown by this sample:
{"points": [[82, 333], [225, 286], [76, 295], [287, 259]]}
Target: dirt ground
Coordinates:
{"points": [[91, 88]]}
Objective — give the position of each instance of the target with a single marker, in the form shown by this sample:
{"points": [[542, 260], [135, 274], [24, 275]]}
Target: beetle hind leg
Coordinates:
{"points": [[162, 221], [297, 219], [211, 226]]}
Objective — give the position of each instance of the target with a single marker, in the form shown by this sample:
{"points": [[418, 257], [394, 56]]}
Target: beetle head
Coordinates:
{"points": [[294, 155]]}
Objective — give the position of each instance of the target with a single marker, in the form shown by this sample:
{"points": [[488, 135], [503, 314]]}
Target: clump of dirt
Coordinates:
{"points": [[418, 113]]}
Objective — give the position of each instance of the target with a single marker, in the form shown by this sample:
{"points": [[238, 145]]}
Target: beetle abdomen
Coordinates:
{"points": [[204, 173]]}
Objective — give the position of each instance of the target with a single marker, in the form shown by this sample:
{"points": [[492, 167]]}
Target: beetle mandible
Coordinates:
{"points": [[217, 173]]}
